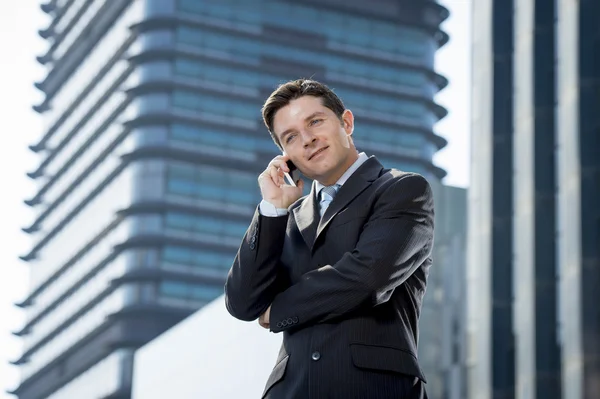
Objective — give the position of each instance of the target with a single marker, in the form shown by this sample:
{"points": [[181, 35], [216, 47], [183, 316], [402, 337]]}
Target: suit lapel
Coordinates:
{"points": [[356, 184], [307, 217]]}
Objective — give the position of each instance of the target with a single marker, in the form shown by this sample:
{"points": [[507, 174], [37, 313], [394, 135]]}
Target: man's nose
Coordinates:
{"points": [[307, 138]]}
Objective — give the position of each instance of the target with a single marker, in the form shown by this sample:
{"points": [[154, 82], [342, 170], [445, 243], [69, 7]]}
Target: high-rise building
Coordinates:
{"points": [[442, 324], [534, 236], [152, 147]]}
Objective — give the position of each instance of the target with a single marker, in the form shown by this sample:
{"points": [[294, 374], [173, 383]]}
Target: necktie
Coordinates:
{"points": [[327, 195]]}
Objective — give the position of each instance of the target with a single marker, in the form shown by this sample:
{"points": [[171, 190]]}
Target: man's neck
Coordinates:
{"points": [[339, 176], [332, 180]]}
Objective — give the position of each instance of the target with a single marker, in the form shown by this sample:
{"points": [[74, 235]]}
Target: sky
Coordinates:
{"points": [[19, 44]]}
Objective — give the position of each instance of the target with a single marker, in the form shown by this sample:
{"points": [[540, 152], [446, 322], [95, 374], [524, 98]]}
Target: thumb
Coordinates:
{"points": [[300, 184]]}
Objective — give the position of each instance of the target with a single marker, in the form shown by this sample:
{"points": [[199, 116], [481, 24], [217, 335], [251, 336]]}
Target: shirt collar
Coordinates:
{"points": [[362, 157]]}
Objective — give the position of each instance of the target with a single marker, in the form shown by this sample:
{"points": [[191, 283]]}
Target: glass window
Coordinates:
{"points": [[360, 34], [179, 221], [394, 141], [403, 166], [205, 182], [243, 49], [192, 6], [176, 255], [198, 258], [147, 223], [396, 136], [211, 104], [205, 293], [179, 187], [208, 225], [382, 103], [366, 34], [172, 288], [223, 9], [305, 18], [201, 292]]}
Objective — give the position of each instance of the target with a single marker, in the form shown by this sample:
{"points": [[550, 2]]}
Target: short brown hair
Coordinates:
{"points": [[294, 89]]}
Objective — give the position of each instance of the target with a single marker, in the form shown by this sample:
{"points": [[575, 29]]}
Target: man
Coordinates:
{"points": [[342, 271]]}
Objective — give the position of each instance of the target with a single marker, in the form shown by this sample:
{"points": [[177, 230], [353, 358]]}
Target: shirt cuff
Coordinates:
{"points": [[267, 209]]}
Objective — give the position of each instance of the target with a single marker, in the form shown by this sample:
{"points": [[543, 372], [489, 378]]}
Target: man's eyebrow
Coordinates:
{"points": [[318, 113], [286, 133], [309, 117]]}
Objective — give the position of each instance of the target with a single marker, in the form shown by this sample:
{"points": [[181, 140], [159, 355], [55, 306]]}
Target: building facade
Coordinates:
{"points": [[442, 324], [534, 253], [153, 143]]}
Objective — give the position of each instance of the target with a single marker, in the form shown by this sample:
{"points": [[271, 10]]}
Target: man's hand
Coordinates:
{"points": [[273, 186], [263, 320]]}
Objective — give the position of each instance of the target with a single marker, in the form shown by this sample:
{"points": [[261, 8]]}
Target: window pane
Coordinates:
{"points": [[170, 288]]}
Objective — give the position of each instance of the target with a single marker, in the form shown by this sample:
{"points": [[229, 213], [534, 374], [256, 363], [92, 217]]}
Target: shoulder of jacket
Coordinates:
{"points": [[397, 175], [399, 178]]}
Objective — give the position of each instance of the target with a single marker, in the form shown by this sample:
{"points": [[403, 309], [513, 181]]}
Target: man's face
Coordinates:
{"points": [[315, 140]]}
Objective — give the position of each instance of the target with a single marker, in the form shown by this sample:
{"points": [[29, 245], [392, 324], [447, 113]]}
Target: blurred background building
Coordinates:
{"points": [[442, 333], [534, 218], [153, 143]]}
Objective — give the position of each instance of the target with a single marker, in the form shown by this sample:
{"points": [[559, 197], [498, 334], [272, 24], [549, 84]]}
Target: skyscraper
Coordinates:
{"points": [[534, 253], [442, 324], [152, 147]]}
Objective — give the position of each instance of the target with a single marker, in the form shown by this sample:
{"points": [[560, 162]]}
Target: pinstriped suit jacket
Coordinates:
{"points": [[345, 289]]}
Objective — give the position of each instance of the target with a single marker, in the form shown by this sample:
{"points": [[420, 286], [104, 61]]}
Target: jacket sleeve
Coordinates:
{"points": [[255, 276], [395, 241]]}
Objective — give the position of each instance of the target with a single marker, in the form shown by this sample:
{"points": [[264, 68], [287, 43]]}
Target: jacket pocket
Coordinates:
{"points": [[276, 375], [384, 358]]}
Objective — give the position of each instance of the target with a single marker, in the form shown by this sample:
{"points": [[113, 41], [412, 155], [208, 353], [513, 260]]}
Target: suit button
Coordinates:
{"points": [[295, 319], [290, 321], [279, 325], [316, 356], [252, 246]]}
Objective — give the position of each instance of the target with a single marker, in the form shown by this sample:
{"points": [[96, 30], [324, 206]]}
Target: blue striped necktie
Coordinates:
{"points": [[327, 195]]}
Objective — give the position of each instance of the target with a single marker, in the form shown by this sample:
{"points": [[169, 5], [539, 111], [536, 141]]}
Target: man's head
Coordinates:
{"points": [[309, 123]]}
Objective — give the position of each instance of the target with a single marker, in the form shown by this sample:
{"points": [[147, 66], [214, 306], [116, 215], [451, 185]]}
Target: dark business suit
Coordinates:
{"points": [[345, 289]]}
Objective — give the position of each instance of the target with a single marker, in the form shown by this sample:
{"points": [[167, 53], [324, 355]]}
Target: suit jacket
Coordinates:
{"points": [[345, 289]]}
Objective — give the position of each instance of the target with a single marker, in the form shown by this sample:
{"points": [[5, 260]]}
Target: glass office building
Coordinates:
{"points": [[152, 147], [442, 323], [534, 231]]}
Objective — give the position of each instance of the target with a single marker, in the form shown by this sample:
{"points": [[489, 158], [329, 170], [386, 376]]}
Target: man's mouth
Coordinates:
{"points": [[317, 152]]}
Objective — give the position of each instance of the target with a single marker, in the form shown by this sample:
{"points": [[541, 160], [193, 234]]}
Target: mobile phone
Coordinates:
{"points": [[294, 175]]}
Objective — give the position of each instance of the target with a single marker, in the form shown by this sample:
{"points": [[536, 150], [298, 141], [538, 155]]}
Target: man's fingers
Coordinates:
{"points": [[275, 175], [275, 170], [279, 163]]}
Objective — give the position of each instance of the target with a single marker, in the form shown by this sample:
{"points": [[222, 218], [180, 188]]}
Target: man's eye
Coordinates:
{"points": [[289, 138], [315, 121]]}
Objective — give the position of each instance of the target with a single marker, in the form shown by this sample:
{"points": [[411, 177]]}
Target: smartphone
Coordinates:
{"points": [[294, 175]]}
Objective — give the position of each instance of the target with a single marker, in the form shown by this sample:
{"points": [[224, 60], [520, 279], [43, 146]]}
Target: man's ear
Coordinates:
{"points": [[348, 122]]}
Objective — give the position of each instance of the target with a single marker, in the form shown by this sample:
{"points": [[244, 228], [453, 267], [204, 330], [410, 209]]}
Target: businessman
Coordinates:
{"points": [[342, 271]]}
